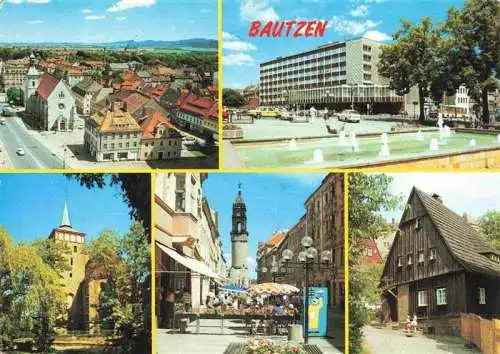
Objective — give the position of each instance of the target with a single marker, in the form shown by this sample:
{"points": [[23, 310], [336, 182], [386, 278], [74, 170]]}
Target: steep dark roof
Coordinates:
{"points": [[464, 242]]}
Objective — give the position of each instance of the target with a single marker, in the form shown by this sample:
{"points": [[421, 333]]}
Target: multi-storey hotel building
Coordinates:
{"points": [[336, 75]]}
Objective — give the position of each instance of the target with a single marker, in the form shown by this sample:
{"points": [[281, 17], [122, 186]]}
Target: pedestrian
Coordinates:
{"points": [[186, 300]]}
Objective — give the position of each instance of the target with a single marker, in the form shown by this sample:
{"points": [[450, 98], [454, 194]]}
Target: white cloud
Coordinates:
{"points": [[251, 10], [121, 18], [206, 11], [35, 22], [123, 5], [343, 26], [377, 36], [238, 59], [86, 11], [94, 17], [461, 192], [228, 36], [360, 11], [251, 261]]}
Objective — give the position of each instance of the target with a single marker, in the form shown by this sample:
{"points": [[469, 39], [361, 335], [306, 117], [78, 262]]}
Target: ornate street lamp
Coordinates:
{"points": [[306, 259]]}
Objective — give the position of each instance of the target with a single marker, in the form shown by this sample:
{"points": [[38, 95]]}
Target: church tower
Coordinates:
{"points": [[238, 274], [72, 279], [32, 81]]}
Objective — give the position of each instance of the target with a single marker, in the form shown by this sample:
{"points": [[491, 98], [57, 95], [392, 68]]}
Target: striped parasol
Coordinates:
{"points": [[272, 289]]}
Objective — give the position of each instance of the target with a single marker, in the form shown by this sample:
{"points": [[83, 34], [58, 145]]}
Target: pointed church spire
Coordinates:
{"points": [[65, 218]]}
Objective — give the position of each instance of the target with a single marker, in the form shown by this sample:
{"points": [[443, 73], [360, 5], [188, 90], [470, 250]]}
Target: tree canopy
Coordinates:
{"points": [[490, 225], [231, 98], [368, 196]]}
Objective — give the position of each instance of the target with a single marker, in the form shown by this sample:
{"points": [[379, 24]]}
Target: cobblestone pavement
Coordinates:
{"points": [[387, 341], [210, 341]]}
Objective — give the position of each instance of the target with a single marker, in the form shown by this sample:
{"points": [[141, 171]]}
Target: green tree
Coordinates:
{"points": [[370, 275], [368, 196], [490, 225], [412, 59], [231, 98], [14, 95], [54, 254], [475, 48]]}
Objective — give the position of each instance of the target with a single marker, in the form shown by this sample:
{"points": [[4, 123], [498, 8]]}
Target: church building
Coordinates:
{"points": [[238, 274], [82, 288], [49, 100]]}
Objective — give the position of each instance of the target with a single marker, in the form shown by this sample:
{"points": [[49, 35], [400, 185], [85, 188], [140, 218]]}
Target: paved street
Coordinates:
{"points": [[210, 341], [14, 135], [387, 340]]}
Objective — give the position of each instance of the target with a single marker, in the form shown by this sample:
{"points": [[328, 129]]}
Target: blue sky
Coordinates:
{"points": [[473, 193], [376, 19], [274, 202], [106, 20], [31, 205]]}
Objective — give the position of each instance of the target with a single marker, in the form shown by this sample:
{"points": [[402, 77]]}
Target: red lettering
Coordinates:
{"points": [[310, 28], [254, 28], [290, 26], [320, 28], [301, 25], [266, 31], [278, 27]]}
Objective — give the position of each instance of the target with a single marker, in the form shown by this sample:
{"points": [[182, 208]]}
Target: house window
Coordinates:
{"points": [[71, 261], [179, 202], [61, 105], [71, 275], [369, 251], [441, 296], [421, 257], [482, 296], [432, 254], [400, 261], [75, 249], [105, 146], [422, 298], [409, 259], [61, 94], [418, 223]]}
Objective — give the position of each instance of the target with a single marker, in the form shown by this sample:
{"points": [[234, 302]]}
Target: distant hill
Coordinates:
{"points": [[192, 43]]}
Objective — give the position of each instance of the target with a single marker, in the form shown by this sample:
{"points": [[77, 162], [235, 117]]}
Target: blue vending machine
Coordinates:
{"points": [[318, 311]]}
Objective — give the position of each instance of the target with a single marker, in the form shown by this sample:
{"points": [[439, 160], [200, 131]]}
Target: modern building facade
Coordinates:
{"points": [[335, 75], [188, 246], [238, 273]]}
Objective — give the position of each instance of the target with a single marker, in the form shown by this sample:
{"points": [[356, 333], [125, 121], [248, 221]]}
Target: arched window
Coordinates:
{"points": [[239, 226]]}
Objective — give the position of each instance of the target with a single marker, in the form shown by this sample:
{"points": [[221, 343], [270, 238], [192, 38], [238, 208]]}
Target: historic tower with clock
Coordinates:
{"points": [[238, 274]]}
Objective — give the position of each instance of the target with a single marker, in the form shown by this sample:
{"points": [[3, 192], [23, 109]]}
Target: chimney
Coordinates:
{"points": [[437, 197]]}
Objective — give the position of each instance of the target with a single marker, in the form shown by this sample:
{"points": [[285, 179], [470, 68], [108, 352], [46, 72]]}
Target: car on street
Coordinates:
{"points": [[267, 112], [3, 121], [349, 115], [285, 114], [20, 152]]}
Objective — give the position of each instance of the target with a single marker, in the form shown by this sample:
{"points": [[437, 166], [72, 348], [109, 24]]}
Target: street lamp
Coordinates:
{"points": [[306, 259]]}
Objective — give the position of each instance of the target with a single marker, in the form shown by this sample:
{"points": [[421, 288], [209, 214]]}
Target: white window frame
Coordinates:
{"points": [[409, 259], [482, 296], [422, 298], [432, 254], [421, 257], [400, 261], [441, 297]]}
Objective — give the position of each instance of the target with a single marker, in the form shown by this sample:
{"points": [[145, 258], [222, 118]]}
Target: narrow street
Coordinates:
{"points": [[387, 340], [14, 135]]}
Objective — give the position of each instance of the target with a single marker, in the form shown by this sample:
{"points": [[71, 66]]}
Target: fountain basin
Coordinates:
{"points": [[403, 148]]}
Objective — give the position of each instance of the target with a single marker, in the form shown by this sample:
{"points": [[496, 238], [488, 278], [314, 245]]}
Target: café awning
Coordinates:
{"points": [[190, 263]]}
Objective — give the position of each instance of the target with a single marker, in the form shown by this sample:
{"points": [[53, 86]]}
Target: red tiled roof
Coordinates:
{"points": [[154, 92], [134, 101], [206, 108], [276, 238], [47, 84], [149, 124]]}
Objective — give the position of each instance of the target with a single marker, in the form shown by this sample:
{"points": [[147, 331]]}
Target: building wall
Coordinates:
{"points": [[61, 95], [170, 148]]}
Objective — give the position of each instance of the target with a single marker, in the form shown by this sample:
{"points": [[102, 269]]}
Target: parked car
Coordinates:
{"points": [[265, 112], [3, 121], [349, 115], [20, 152], [285, 114]]}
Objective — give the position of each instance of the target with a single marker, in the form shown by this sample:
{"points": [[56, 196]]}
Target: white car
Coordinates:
{"points": [[349, 115], [20, 152], [3, 121]]}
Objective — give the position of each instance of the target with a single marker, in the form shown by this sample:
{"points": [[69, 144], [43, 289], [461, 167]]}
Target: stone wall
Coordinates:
{"points": [[470, 160], [445, 325]]}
